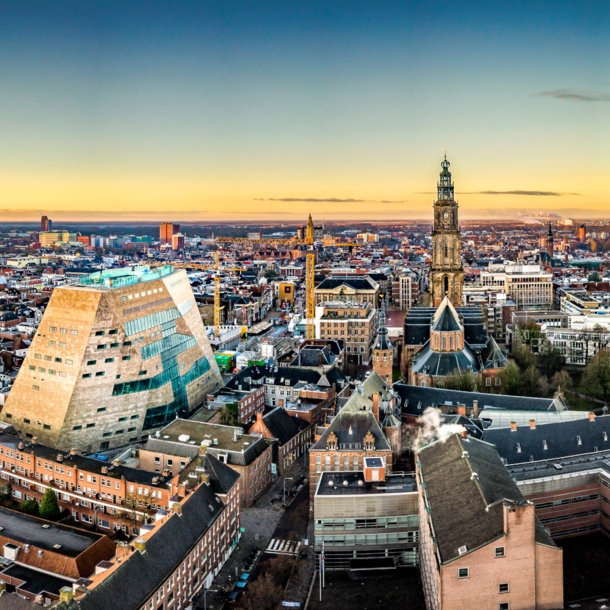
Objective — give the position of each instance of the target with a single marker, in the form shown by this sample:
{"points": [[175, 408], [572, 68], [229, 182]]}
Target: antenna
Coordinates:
{"points": [[445, 149]]}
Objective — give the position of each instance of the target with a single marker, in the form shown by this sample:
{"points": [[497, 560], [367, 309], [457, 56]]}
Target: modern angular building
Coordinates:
{"points": [[118, 355]]}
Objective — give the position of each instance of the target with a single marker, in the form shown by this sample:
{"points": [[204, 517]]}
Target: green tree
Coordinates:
{"points": [[529, 333], [594, 277], [551, 360], [530, 384], [228, 414], [522, 355], [466, 382], [49, 508], [29, 507], [511, 379], [596, 378]]}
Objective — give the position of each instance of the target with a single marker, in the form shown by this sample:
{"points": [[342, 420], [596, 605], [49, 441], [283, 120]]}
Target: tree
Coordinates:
{"points": [[49, 508], [522, 355], [596, 377], [529, 333], [530, 381], [228, 414], [511, 379], [466, 382], [561, 381], [29, 507], [594, 277], [263, 594], [551, 360]]}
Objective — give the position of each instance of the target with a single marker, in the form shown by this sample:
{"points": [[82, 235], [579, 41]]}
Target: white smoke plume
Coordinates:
{"points": [[432, 429]]}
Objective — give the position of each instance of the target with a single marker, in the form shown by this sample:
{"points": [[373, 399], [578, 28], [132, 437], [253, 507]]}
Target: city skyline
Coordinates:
{"points": [[263, 111]]}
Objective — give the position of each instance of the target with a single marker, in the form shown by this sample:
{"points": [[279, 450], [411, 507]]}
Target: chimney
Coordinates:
{"points": [[72, 451], [376, 405], [475, 408], [532, 424], [462, 410], [205, 478], [139, 544], [591, 416], [464, 433], [60, 457], [104, 470], [513, 426], [116, 463], [177, 508], [66, 594], [259, 416], [34, 440]]}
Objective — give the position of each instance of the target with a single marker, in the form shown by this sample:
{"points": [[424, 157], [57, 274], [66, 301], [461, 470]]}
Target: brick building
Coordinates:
{"points": [[249, 401], [481, 544], [107, 496], [182, 440]]}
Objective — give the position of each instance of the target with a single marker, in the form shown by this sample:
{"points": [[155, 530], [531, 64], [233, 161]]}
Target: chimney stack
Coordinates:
{"points": [[139, 544], [376, 405], [513, 426], [72, 451], [116, 463], [66, 594], [104, 470], [464, 433], [532, 424], [462, 410], [475, 408], [591, 416]]}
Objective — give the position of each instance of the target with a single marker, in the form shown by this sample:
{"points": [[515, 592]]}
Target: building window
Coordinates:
{"points": [[86, 375], [503, 587], [46, 427], [499, 551], [126, 358], [99, 333], [101, 346], [109, 360], [463, 573], [77, 428], [100, 374], [101, 409], [91, 362], [91, 425], [504, 606]]}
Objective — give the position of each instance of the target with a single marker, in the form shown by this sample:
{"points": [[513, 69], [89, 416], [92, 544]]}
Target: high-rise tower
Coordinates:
{"points": [[383, 351], [550, 242], [446, 274]]}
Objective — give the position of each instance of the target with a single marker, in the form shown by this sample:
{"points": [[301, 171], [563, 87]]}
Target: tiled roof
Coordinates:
{"points": [[466, 509], [130, 585], [281, 425]]}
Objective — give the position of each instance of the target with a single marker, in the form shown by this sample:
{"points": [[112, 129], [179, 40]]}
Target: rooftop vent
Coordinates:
{"points": [[57, 546], [360, 483], [345, 483], [544, 445], [184, 438], [331, 483], [46, 526], [474, 476], [462, 550], [579, 440], [518, 448]]}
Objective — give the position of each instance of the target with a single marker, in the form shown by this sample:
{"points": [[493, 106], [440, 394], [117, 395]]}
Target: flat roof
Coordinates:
{"points": [[352, 484], [123, 276], [45, 534], [37, 582]]}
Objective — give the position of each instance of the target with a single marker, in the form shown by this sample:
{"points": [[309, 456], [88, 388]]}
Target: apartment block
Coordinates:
{"points": [[119, 354], [110, 497], [248, 455]]}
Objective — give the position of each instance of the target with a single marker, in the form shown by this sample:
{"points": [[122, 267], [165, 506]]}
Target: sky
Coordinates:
{"points": [[239, 110]]}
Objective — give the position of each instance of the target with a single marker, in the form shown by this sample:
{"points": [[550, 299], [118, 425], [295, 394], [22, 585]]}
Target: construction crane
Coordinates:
{"points": [[310, 267]]}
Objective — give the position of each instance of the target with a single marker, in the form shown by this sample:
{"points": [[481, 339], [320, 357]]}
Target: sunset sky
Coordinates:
{"points": [[244, 110]]}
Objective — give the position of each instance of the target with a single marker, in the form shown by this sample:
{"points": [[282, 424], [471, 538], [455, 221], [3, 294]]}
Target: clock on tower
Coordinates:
{"points": [[446, 274]]}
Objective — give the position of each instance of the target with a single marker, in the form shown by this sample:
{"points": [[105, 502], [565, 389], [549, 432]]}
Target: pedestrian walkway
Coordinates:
{"points": [[259, 523]]}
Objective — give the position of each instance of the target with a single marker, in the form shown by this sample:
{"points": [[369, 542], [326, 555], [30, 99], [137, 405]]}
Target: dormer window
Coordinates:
{"points": [[369, 441], [331, 442]]}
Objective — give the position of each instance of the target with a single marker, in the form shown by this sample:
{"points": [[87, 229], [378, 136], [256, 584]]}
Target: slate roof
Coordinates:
{"points": [[563, 439], [281, 425], [130, 585], [360, 283], [418, 320], [414, 400], [362, 398], [446, 317], [222, 477], [434, 363], [492, 356], [351, 427], [465, 510], [36, 581]]}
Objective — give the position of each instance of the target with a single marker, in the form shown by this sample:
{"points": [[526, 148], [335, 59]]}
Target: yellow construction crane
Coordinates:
{"points": [[310, 267]]}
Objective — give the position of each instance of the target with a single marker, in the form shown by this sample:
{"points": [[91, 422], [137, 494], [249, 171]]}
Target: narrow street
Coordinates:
{"points": [[259, 523]]}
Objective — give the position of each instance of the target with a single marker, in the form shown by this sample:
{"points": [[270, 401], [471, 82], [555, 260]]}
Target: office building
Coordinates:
{"points": [[119, 354], [46, 224], [177, 241], [529, 286], [167, 230]]}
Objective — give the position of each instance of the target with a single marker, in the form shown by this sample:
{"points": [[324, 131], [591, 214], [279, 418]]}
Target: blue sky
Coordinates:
{"points": [[216, 108]]}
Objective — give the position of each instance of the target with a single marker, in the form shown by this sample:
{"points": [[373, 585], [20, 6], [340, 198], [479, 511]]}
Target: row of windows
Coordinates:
{"points": [[53, 359], [567, 501], [63, 331]]}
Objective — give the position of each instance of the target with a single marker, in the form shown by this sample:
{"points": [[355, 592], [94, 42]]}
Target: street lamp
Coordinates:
{"points": [[205, 606], [286, 479]]}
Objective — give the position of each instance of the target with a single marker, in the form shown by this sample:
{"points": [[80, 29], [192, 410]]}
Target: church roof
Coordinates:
{"points": [[446, 317], [441, 364], [493, 357]]}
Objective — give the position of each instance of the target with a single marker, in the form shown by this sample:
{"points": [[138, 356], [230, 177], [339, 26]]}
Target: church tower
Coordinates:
{"points": [[446, 274], [383, 351], [550, 243]]}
